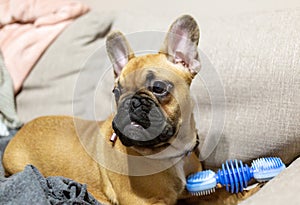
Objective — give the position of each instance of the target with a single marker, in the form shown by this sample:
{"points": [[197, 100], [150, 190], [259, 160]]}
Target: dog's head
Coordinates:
{"points": [[152, 91]]}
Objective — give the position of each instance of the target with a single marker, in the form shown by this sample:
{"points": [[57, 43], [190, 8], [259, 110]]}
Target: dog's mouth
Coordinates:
{"points": [[139, 122]]}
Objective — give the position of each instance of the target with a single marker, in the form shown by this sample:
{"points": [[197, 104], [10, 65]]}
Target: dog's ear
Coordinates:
{"points": [[181, 43], [118, 51]]}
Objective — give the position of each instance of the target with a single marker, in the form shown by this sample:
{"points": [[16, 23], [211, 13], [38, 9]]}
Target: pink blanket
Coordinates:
{"points": [[28, 27]]}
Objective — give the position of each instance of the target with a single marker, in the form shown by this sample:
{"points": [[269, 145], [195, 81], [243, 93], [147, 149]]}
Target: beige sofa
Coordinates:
{"points": [[253, 57]]}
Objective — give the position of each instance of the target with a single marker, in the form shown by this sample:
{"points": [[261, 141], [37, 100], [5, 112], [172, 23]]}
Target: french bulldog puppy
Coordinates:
{"points": [[154, 122]]}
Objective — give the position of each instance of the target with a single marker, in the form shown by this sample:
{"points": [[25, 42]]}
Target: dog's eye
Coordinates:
{"points": [[160, 88], [117, 93]]}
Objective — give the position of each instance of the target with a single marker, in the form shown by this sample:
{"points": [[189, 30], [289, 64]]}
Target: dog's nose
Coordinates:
{"points": [[140, 109], [135, 103], [144, 111]]}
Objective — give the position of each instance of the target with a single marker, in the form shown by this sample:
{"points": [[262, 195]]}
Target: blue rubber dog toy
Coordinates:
{"points": [[234, 175]]}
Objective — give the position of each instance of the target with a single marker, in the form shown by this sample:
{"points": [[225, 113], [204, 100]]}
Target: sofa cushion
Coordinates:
{"points": [[49, 89], [280, 190], [257, 58]]}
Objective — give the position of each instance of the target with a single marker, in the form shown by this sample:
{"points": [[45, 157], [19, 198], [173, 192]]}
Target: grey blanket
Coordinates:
{"points": [[30, 187]]}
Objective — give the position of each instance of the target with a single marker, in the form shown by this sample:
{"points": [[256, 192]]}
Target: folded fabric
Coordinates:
{"points": [[8, 113], [27, 29], [30, 187]]}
